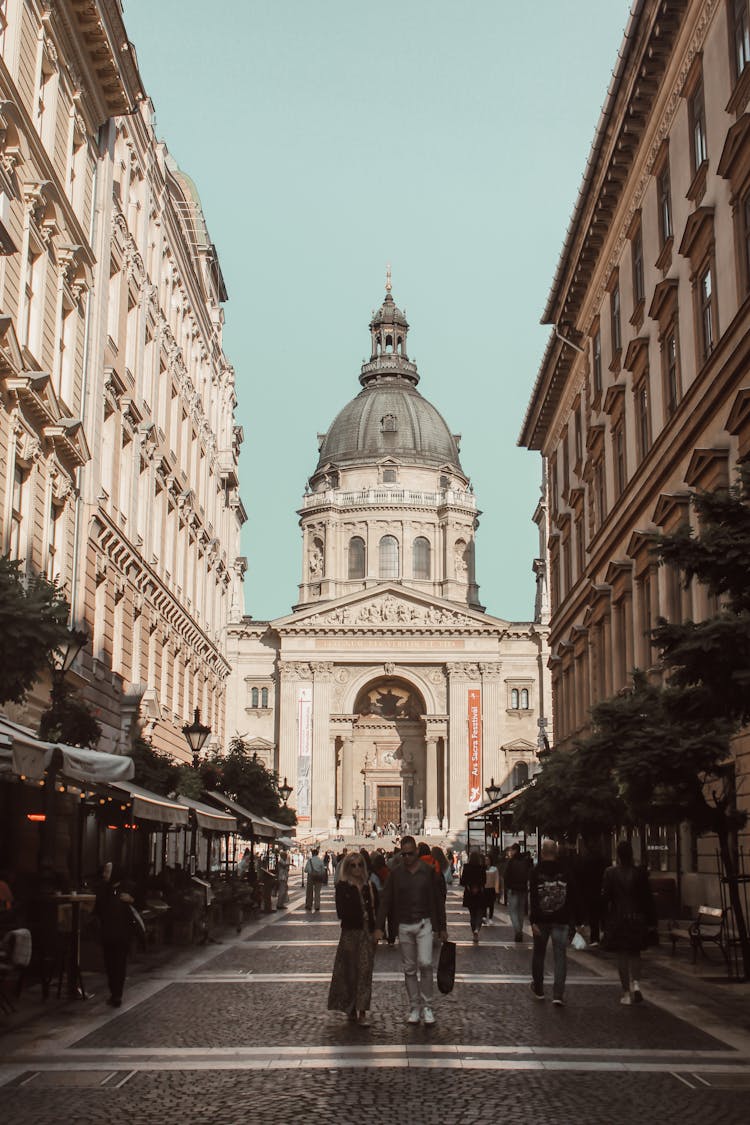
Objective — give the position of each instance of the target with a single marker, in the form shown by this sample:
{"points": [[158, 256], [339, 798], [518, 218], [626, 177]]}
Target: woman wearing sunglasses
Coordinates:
{"points": [[356, 903]]}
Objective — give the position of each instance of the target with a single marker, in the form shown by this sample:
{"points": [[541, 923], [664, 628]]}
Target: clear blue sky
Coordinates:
{"points": [[329, 137]]}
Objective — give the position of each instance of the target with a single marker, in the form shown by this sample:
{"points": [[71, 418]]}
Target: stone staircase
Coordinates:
{"points": [[337, 841]]}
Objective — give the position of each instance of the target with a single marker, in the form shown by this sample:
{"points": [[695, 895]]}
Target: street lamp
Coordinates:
{"points": [[493, 791], [66, 652], [285, 791], [196, 734]]}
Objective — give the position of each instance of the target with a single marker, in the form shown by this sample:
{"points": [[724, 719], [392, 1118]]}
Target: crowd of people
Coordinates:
{"points": [[401, 895]]}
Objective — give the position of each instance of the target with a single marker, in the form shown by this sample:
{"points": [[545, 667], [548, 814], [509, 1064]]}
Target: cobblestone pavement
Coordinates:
{"points": [[239, 1033]]}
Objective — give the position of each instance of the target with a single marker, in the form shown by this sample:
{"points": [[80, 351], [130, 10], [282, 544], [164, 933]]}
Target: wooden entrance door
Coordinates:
{"points": [[389, 804]]}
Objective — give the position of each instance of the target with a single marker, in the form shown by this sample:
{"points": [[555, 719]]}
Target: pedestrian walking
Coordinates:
{"points": [[118, 924], [282, 878], [554, 911], [629, 912], [473, 881], [591, 868], [516, 884], [315, 872], [491, 889], [356, 903], [413, 901]]}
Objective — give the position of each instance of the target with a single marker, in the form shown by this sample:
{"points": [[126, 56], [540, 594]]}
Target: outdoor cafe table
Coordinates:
{"points": [[76, 901]]}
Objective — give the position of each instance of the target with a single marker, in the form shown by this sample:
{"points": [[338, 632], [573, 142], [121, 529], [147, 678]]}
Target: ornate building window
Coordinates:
{"points": [[697, 110], [264, 697], [642, 417], [356, 567], [388, 557], [596, 362], [616, 321], [515, 699], [254, 697], [421, 557], [664, 196]]}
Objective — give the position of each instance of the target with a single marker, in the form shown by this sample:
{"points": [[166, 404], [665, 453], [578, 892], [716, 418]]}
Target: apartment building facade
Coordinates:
{"points": [[118, 446], [644, 388]]}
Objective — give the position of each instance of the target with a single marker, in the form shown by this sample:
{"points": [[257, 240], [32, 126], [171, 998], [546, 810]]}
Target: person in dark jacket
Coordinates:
{"points": [[554, 910], [590, 871], [516, 876], [414, 903], [118, 925], [356, 903], [473, 881], [629, 912]]}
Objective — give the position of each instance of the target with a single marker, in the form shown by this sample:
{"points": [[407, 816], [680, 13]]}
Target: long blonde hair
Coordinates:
{"points": [[345, 875]]}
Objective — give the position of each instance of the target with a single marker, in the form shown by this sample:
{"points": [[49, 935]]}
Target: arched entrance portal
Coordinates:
{"points": [[388, 752]]}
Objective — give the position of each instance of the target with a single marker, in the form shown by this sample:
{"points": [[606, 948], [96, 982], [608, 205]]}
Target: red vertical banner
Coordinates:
{"points": [[475, 747]]}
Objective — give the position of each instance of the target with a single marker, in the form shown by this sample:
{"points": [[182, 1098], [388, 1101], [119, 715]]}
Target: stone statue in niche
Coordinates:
{"points": [[460, 559], [316, 559]]}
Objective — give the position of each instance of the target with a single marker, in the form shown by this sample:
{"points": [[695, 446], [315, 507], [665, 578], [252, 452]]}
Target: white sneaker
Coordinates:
{"points": [[413, 1016], [428, 1015], [626, 998]]}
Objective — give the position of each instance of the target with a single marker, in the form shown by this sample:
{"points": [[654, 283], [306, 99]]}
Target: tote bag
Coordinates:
{"points": [[446, 970]]}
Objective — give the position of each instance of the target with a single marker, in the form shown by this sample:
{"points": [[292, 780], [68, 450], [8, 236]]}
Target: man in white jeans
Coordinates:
{"points": [[413, 901]]}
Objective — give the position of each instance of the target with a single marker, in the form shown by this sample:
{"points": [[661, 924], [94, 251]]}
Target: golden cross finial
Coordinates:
{"points": [[388, 278]]}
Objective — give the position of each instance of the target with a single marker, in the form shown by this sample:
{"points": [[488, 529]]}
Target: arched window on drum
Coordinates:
{"points": [[421, 557], [356, 557], [388, 557]]}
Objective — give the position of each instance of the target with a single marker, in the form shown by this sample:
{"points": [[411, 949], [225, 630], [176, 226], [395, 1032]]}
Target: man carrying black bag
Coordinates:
{"points": [[413, 902]]}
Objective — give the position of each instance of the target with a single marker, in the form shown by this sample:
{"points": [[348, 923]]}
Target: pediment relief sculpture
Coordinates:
{"points": [[392, 611]]}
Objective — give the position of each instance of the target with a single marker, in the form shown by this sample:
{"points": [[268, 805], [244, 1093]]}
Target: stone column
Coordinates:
{"points": [[458, 748], [291, 675], [347, 787], [491, 674], [323, 752], [431, 822]]}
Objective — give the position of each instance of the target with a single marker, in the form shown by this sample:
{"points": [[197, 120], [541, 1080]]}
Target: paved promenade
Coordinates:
{"points": [[238, 1032]]}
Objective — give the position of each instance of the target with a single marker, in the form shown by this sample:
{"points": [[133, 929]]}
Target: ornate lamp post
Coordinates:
{"points": [[493, 792], [196, 735], [285, 791]]}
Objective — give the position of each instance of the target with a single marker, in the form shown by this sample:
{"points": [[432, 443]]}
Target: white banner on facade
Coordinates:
{"points": [[304, 751]]}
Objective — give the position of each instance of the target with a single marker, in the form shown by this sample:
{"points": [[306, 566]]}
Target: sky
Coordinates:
{"points": [[328, 138]]}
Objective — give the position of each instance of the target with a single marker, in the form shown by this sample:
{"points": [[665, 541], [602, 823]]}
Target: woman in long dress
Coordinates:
{"points": [[356, 903]]}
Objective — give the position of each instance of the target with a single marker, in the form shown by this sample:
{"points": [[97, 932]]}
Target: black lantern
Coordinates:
{"points": [[66, 652], [492, 790], [196, 734], [285, 791]]}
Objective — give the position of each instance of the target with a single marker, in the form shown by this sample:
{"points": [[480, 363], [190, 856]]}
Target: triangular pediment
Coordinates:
{"points": [[389, 608], [520, 746], [261, 745]]}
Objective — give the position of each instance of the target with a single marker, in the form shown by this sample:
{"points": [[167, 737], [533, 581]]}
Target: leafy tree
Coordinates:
{"points": [[707, 663], [244, 777], [154, 771], [574, 793], [33, 624], [69, 719]]}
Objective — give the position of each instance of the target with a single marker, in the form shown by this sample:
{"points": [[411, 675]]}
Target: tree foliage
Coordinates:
{"points": [[242, 776], [69, 719], [34, 616]]}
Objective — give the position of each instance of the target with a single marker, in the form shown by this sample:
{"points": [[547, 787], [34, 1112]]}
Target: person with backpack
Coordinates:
{"points": [[315, 870], [555, 913]]}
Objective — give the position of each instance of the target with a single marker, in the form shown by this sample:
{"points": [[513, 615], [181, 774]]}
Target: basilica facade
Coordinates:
{"points": [[389, 694]]}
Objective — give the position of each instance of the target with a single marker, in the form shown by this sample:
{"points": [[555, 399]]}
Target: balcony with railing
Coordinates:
{"points": [[390, 497]]}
